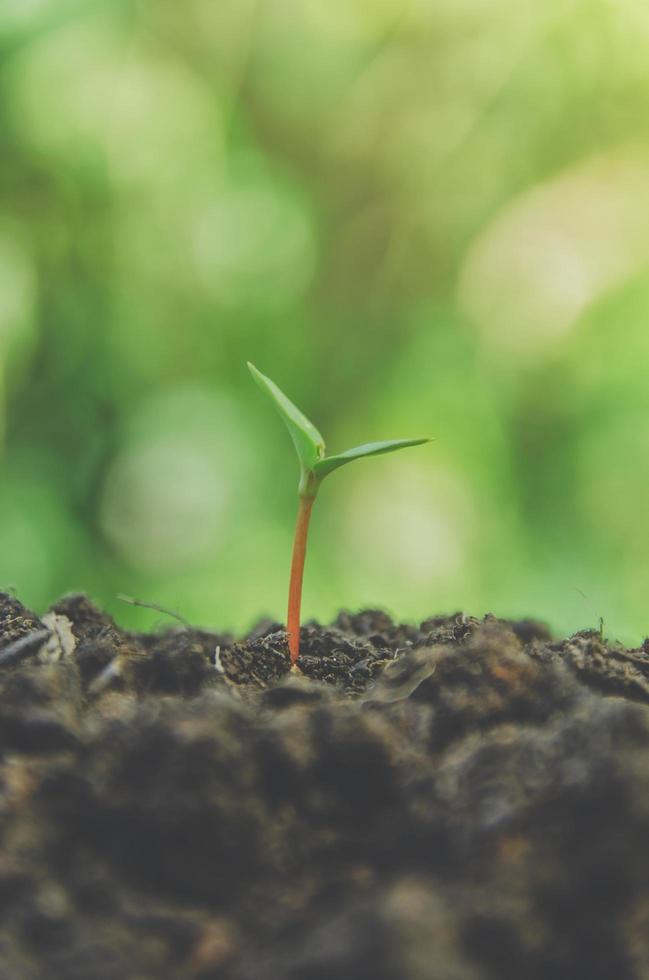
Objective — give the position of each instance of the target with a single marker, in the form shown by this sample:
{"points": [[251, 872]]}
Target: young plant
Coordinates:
{"points": [[314, 467]]}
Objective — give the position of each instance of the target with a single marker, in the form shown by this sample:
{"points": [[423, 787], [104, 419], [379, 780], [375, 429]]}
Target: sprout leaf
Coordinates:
{"points": [[330, 463], [308, 442]]}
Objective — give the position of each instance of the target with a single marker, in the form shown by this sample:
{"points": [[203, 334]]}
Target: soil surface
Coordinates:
{"points": [[462, 800]]}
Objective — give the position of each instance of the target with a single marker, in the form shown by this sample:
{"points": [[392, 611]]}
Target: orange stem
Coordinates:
{"points": [[297, 574]]}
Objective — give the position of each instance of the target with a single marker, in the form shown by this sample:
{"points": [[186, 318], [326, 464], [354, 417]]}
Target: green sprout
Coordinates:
{"points": [[314, 467]]}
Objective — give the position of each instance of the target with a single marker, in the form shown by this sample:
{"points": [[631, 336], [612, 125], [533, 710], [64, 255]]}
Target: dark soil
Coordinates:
{"points": [[463, 800]]}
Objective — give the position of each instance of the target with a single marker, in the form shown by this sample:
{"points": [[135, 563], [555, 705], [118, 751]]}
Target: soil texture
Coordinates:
{"points": [[460, 800]]}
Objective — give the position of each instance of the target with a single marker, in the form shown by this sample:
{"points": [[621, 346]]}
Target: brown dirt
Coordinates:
{"points": [[462, 800]]}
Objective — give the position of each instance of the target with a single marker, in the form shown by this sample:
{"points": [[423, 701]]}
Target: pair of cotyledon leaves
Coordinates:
{"points": [[309, 444]]}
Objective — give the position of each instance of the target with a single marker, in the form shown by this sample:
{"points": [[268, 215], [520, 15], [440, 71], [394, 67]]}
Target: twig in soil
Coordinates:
{"points": [[107, 675], [24, 647], [155, 607], [600, 618]]}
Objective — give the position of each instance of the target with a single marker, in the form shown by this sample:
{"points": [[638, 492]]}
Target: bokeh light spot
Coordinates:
{"points": [[562, 245]]}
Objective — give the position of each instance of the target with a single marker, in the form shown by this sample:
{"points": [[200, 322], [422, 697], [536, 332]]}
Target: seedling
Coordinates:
{"points": [[314, 467]]}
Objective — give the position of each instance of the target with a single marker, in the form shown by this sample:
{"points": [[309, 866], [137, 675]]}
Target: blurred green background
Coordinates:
{"points": [[417, 217]]}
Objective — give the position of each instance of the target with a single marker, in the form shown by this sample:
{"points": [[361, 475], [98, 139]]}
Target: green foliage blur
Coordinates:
{"points": [[418, 218]]}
